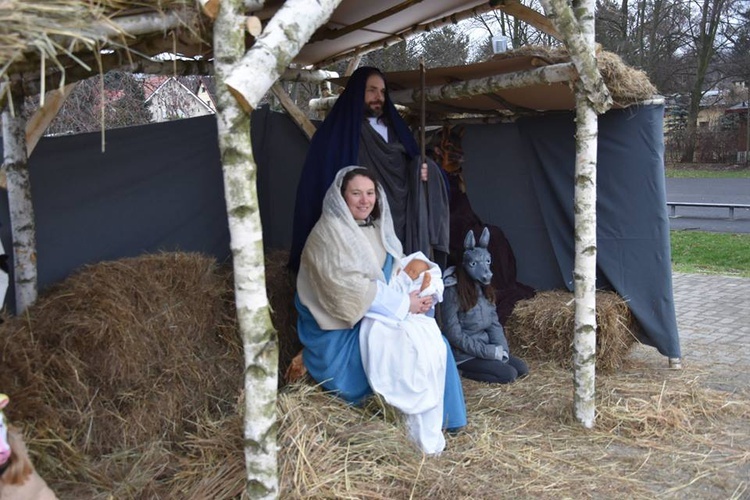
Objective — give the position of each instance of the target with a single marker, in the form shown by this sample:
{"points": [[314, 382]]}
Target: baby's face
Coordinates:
{"points": [[415, 267]]}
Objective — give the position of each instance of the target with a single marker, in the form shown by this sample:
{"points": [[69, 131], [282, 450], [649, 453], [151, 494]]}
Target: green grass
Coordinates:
{"points": [[711, 253], [706, 171], [707, 174]]}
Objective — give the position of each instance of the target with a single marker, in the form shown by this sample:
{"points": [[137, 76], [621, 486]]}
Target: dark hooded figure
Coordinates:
{"points": [[365, 129]]}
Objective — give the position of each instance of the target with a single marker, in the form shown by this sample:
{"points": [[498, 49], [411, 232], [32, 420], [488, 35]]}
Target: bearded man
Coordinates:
{"points": [[365, 129]]}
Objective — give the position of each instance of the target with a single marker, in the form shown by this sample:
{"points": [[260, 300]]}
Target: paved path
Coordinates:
{"points": [[713, 318]]}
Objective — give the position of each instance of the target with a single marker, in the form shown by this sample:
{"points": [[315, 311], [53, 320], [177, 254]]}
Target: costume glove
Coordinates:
{"points": [[501, 354]]}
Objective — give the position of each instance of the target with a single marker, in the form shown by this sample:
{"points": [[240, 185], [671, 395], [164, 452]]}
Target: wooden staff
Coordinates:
{"points": [[422, 117], [422, 141]]}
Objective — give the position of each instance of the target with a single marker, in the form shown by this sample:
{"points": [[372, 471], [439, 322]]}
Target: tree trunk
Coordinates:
{"points": [[704, 41], [258, 336], [578, 27], [21, 210], [623, 26]]}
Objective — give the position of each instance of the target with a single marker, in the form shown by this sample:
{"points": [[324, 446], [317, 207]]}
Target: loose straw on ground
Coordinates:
{"points": [[126, 379]]}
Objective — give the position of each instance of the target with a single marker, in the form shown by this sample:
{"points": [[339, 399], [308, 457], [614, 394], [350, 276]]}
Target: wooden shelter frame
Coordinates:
{"points": [[243, 77]]}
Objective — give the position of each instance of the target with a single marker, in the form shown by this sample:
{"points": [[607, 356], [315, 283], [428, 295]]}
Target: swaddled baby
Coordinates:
{"points": [[417, 267], [419, 273]]}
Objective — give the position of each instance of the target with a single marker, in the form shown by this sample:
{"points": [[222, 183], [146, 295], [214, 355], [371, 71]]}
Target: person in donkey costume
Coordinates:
{"points": [[470, 320]]}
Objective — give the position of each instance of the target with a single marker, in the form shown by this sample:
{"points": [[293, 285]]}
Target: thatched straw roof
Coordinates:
{"points": [[71, 39]]}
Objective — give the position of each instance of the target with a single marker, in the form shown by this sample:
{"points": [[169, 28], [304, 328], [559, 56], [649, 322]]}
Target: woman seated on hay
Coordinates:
{"points": [[346, 265]]}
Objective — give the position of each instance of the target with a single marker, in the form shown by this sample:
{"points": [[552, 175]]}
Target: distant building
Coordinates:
{"points": [[740, 111], [170, 99]]}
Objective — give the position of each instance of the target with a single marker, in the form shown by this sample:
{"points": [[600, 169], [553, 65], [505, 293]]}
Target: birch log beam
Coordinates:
{"points": [[307, 75], [353, 65], [555, 73], [325, 104], [142, 24], [282, 39], [581, 53], [23, 229]]}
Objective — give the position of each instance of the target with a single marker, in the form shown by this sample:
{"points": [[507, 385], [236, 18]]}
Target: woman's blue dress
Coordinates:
{"points": [[333, 359]]}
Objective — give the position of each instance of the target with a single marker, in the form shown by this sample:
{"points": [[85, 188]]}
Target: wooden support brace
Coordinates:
{"points": [[297, 115], [41, 119]]}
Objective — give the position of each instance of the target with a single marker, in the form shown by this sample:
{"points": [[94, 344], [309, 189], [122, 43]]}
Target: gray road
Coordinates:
{"points": [[710, 191]]}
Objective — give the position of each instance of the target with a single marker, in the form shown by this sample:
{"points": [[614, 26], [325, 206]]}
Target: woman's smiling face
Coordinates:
{"points": [[360, 196]]}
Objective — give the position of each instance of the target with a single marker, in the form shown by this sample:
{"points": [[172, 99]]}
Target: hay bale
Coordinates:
{"points": [[121, 368], [125, 352], [281, 285], [542, 328]]}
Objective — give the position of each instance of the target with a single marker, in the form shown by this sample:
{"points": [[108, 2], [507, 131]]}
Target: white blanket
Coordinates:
{"points": [[405, 362]]}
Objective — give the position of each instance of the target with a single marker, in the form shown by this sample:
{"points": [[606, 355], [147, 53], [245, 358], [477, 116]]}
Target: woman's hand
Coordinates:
{"points": [[417, 304]]}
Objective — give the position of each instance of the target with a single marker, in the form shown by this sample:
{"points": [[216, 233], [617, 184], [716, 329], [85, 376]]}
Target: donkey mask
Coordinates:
{"points": [[477, 259]]}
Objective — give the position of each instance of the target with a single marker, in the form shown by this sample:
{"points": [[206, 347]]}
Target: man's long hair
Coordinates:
{"points": [[467, 288], [369, 71]]}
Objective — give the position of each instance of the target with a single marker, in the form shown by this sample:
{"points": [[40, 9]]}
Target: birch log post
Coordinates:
{"points": [[15, 164], [576, 25], [256, 329], [254, 73]]}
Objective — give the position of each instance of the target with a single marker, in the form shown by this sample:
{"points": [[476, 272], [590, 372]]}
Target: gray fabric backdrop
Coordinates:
{"points": [[159, 187]]}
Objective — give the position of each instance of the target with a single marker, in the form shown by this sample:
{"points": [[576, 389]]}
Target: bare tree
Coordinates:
{"points": [[499, 23], [650, 35], [399, 57], [115, 99], [447, 46], [703, 35]]}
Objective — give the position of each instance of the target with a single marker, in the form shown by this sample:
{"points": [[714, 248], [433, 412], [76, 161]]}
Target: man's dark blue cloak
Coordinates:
{"points": [[336, 145]]}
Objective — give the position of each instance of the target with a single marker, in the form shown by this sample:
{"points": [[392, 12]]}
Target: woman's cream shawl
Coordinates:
{"points": [[339, 265]]}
